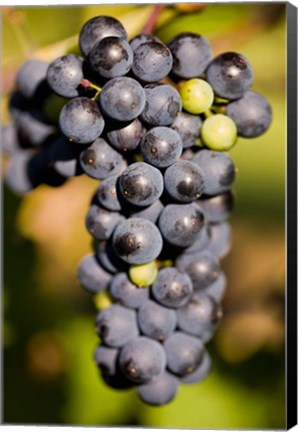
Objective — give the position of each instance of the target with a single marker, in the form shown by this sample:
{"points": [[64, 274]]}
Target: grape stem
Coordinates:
{"points": [[149, 27], [89, 85], [219, 100], [208, 113], [218, 109]]}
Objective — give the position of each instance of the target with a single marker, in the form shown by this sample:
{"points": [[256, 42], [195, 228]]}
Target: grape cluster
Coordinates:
{"points": [[153, 123]]}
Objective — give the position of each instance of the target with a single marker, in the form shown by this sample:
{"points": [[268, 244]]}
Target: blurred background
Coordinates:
{"points": [[48, 321]]}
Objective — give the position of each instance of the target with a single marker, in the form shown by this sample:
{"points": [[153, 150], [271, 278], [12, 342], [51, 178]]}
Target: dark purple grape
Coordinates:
{"points": [[9, 139], [199, 316], [122, 167], [106, 359], [184, 181], [128, 137], [220, 239], [184, 353], [32, 129], [116, 325], [217, 208], [17, 177], [218, 170], [122, 99], [163, 105], [141, 38], [200, 373], [100, 223], [126, 293], [217, 289], [142, 359], [92, 277], [28, 169], [202, 268], [151, 213], [64, 157], [160, 390], [117, 381], [98, 28], [40, 170], [65, 74], [100, 160], [137, 241], [107, 194], [188, 154], [152, 61], [17, 104], [161, 147], [172, 288], [202, 241], [191, 55], [141, 184], [111, 57], [109, 259], [230, 75], [30, 76], [80, 120], [252, 114], [188, 127], [156, 321], [181, 223]]}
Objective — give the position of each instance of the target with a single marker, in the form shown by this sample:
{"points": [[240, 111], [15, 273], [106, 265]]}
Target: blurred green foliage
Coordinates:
{"points": [[247, 394]]}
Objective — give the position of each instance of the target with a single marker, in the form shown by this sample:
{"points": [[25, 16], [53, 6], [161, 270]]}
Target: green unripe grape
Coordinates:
{"points": [[102, 300], [219, 132], [196, 95], [143, 275]]}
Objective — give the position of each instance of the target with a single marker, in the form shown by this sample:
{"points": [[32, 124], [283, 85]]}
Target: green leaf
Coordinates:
{"points": [[214, 19]]}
